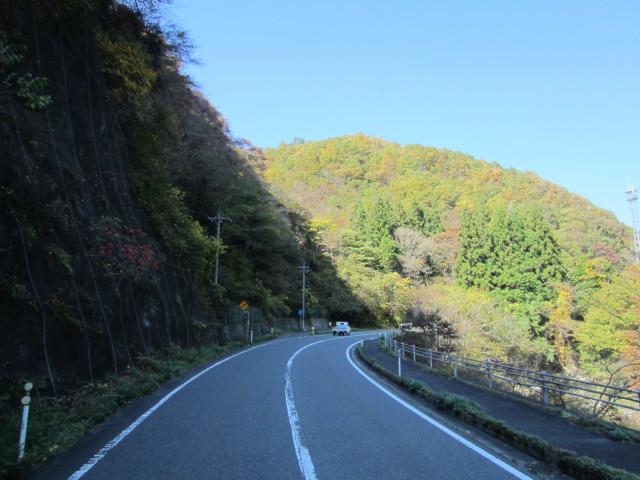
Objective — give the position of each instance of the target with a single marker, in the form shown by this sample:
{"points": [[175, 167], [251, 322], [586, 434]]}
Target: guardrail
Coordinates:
{"points": [[547, 388]]}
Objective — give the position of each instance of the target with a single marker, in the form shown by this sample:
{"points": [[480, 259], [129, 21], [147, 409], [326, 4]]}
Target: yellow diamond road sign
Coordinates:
{"points": [[244, 304]]}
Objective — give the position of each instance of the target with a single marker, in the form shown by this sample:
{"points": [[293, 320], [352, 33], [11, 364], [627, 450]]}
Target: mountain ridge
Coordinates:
{"points": [[348, 166]]}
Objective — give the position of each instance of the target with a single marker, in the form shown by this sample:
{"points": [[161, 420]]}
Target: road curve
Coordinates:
{"points": [[294, 408]]}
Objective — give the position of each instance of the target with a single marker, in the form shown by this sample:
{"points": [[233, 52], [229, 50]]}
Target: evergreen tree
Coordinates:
{"points": [[475, 251], [513, 254], [419, 218], [372, 241]]}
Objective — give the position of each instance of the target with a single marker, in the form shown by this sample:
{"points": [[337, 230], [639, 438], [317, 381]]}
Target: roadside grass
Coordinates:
{"points": [[602, 427], [565, 460], [57, 423], [470, 412]]}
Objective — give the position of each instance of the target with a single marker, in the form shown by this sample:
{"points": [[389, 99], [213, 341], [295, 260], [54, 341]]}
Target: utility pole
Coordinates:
{"points": [[218, 219], [632, 198], [304, 269]]}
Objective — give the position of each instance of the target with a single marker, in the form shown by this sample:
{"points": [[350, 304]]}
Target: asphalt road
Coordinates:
{"points": [[294, 408]]}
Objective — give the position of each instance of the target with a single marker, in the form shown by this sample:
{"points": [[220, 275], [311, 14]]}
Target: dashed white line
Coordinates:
{"points": [[302, 452]]}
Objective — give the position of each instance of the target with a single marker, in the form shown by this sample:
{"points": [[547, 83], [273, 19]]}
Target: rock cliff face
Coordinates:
{"points": [[85, 285]]}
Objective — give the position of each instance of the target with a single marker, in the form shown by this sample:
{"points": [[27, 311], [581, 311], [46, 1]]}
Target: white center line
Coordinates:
{"points": [[302, 452]]}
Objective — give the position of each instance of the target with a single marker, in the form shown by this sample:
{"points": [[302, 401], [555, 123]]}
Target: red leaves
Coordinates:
{"points": [[125, 250]]}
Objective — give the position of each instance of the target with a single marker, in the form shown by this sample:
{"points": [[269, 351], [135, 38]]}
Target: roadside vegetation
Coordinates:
{"points": [[487, 262], [55, 423], [468, 411], [114, 166]]}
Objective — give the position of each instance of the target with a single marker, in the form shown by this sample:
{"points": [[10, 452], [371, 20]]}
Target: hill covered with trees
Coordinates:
{"points": [[491, 262], [112, 165]]}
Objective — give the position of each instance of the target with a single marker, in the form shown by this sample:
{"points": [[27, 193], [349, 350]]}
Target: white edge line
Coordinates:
{"points": [[109, 446], [516, 473]]}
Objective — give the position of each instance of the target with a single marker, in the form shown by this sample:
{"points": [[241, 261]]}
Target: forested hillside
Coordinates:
{"points": [[490, 262], [111, 165]]}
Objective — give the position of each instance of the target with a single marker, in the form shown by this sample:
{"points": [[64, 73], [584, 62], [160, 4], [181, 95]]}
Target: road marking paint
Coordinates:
{"points": [[516, 473], [302, 452], [109, 446]]}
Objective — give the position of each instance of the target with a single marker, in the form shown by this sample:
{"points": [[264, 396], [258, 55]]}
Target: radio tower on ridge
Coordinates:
{"points": [[632, 198]]}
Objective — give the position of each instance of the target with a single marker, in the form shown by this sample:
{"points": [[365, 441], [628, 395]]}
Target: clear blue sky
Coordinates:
{"points": [[551, 86]]}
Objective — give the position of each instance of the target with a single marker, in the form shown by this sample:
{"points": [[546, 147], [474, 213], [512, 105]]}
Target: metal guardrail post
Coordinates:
{"points": [[402, 347], [400, 365], [489, 368], [545, 390], [430, 359], [455, 366], [414, 354]]}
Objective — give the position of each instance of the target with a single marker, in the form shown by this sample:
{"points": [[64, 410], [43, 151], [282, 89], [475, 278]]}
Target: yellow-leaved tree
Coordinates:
{"points": [[561, 326], [609, 338]]}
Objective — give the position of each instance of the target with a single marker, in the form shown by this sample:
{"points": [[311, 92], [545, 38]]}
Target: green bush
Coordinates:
{"points": [[55, 424]]}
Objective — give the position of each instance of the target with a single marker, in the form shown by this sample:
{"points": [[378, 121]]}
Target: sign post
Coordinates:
{"points": [[244, 305], [304, 269]]}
